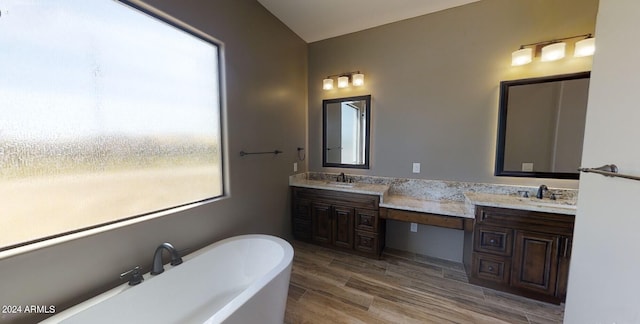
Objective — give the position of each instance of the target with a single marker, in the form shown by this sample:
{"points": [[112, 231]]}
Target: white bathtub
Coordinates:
{"points": [[243, 279]]}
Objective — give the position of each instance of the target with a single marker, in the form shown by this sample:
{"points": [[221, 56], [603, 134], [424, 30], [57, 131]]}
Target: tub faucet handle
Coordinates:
{"points": [[136, 276]]}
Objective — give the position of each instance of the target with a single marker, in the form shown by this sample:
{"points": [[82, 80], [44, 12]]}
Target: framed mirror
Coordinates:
{"points": [[345, 132], [541, 126]]}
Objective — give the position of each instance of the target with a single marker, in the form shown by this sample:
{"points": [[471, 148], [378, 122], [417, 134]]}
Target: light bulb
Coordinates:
{"points": [[522, 56], [585, 47], [358, 79], [327, 84], [553, 52], [343, 82]]}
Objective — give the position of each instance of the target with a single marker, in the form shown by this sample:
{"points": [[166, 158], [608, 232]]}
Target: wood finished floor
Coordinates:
{"points": [[335, 287]]}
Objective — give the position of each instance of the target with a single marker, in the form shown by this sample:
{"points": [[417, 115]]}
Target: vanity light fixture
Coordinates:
{"points": [[357, 80], [552, 50]]}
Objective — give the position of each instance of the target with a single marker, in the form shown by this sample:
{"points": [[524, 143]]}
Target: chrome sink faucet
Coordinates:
{"points": [[541, 191], [342, 177], [157, 258]]}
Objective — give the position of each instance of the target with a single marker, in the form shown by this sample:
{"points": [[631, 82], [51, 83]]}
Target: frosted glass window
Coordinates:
{"points": [[106, 113]]}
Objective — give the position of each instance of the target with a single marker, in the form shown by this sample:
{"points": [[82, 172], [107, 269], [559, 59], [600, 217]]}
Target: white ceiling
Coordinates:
{"points": [[315, 20]]}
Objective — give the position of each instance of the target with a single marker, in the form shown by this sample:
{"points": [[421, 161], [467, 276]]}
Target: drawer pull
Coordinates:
{"points": [[492, 241], [490, 268]]}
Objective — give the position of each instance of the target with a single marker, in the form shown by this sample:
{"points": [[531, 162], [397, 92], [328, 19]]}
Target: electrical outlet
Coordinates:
{"points": [[295, 166], [414, 227], [527, 166], [416, 168]]}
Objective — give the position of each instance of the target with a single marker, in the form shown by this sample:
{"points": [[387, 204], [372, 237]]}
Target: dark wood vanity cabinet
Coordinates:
{"points": [[342, 220], [522, 252]]}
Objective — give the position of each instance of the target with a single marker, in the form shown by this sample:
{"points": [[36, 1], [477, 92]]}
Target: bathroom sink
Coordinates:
{"points": [[341, 184], [556, 205], [559, 206], [568, 204]]}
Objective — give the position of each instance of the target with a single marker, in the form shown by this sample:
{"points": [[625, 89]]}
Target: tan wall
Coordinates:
{"points": [[266, 109], [434, 82]]}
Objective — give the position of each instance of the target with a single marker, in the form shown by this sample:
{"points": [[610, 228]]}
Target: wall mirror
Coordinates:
{"points": [[345, 132], [541, 126]]}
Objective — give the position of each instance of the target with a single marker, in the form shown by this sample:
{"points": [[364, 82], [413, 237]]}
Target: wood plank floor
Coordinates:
{"points": [[335, 287]]}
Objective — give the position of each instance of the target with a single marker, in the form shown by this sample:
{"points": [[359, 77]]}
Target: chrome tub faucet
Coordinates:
{"points": [[157, 267]]}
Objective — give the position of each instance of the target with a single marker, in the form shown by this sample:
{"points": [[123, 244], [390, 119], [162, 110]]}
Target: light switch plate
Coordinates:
{"points": [[416, 168], [295, 166], [414, 227]]}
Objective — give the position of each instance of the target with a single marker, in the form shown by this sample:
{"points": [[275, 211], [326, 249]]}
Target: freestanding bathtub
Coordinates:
{"points": [[243, 279]]}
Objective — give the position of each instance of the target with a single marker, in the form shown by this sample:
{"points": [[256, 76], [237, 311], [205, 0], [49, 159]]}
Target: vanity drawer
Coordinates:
{"points": [[496, 240], [490, 267], [366, 242], [366, 220]]}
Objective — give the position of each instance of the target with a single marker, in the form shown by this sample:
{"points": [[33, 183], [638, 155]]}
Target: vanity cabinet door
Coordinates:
{"points": [[321, 225], [343, 227], [535, 262]]}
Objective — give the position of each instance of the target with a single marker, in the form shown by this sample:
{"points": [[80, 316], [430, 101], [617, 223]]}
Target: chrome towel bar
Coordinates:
{"points": [[609, 170]]}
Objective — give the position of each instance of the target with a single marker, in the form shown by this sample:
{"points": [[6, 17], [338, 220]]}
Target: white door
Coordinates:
{"points": [[604, 279]]}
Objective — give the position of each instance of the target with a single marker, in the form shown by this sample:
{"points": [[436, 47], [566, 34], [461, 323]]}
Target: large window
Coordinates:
{"points": [[106, 113]]}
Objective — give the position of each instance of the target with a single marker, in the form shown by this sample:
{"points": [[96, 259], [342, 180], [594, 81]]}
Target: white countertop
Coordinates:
{"points": [[515, 202], [440, 207], [361, 188], [445, 207]]}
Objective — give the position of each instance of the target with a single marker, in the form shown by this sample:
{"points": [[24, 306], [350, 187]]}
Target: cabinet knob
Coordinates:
{"points": [[492, 241], [490, 268]]}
